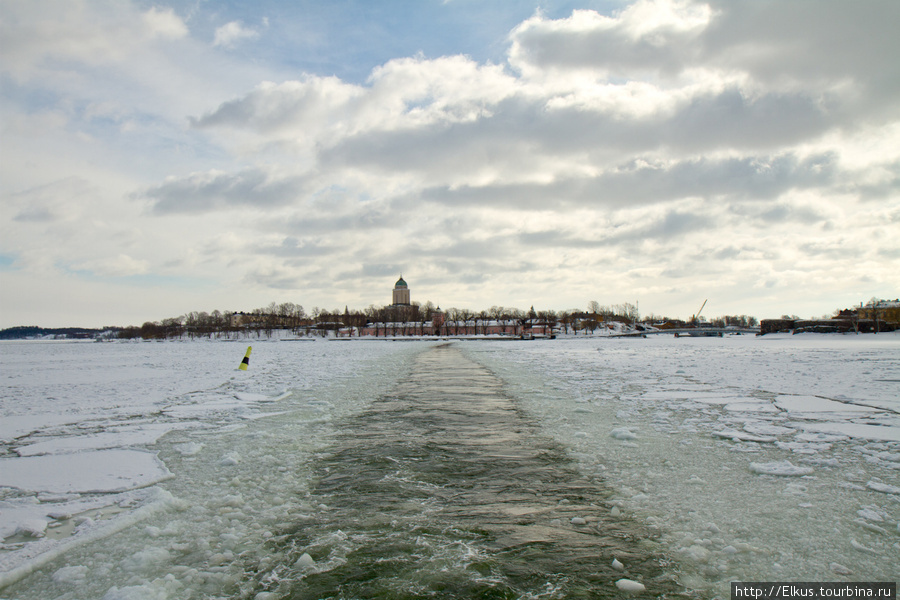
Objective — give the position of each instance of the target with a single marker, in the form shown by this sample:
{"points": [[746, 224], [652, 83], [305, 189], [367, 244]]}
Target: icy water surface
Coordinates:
{"points": [[483, 469], [443, 488]]}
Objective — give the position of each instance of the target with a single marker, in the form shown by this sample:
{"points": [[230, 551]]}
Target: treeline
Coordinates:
{"points": [[32, 331], [398, 319], [220, 324]]}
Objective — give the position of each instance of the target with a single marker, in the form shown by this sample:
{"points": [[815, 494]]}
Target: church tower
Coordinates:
{"points": [[401, 293]]}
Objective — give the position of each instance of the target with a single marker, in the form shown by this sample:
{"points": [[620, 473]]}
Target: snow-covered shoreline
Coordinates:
{"points": [[752, 458]]}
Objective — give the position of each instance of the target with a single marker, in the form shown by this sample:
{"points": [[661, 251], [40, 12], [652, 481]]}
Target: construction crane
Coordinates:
{"points": [[697, 316]]}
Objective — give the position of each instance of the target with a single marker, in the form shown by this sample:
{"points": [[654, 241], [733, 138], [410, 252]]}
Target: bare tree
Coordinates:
{"points": [[485, 319]]}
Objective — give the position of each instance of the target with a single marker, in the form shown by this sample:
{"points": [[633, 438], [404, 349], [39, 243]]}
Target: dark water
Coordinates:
{"points": [[445, 489]]}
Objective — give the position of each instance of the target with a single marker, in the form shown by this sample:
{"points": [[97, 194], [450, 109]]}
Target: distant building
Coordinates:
{"points": [[881, 310], [401, 293]]}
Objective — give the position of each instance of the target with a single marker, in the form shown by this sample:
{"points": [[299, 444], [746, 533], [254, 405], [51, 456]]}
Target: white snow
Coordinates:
{"points": [[144, 470], [755, 454], [96, 438], [102, 471], [817, 405]]}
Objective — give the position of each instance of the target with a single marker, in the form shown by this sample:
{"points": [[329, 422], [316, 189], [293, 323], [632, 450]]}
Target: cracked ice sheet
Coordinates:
{"points": [[101, 471], [818, 405], [884, 433], [728, 507], [115, 437], [70, 407]]}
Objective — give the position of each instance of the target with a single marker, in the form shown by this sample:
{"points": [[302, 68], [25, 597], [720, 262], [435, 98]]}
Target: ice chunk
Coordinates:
{"points": [[871, 527], [781, 468], [627, 585], [839, 569], [146, 560], [305, 562], [883, 487], [189, 449], [150, 591], [72, 574], [767, 429], [856, 545], [755, 407], [578, 521], [623, 433], [231, 459], [855, 430], [33, 528], [618, 566], [871, 515], [96, 471], [815, 404], [740, 436]]}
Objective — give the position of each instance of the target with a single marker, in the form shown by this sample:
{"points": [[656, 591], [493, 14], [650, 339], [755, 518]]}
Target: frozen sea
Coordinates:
{"points": [[160, 471]]}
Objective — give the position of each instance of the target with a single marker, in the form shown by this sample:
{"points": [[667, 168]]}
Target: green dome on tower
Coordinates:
{"points": [[400, 283]]}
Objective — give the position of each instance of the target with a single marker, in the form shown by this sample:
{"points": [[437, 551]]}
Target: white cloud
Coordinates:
{"points": [[118, 266], [231, 33], [34, 33], [677, 145], [163, 23], [601, 114]]}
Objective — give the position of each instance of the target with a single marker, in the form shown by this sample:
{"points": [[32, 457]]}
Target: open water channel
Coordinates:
{"points": [[443, 488]]}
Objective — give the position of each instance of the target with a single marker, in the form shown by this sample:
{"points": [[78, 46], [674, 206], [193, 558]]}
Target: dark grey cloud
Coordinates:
{"points": [[370, 271], [672, 225], [35, 214], [727, 253], [834, 249], [813, 41], [887, 187], [353, 219], [639, 183], [817, 42], [48, 203], [201, 192], [771, 213], [275, 279], [520, 134], [295, 248]]}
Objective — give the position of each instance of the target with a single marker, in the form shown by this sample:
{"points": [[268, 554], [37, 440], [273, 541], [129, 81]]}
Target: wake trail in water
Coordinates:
{"points": [[445, 489]]}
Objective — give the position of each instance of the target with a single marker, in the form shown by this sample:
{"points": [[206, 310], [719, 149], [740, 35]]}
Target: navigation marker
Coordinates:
{"points": [[246, 362]]}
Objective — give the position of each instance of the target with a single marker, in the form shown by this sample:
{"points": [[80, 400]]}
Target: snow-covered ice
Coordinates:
{"points": [[158, 470], [85, 456], [752, 458]]}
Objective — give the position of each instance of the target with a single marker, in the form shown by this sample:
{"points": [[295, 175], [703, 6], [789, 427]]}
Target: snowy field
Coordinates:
{"points": [[158, 471]]}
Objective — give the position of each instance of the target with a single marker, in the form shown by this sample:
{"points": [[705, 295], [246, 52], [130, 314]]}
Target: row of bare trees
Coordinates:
{"points": [[286, 315], [394, 320]]}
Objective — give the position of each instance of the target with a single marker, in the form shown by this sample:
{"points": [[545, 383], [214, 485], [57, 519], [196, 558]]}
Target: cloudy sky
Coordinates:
{"points": [[165, 157]]}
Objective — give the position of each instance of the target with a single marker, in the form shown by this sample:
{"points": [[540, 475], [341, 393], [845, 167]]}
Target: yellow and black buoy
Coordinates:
{"points": [[246, 362]]}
